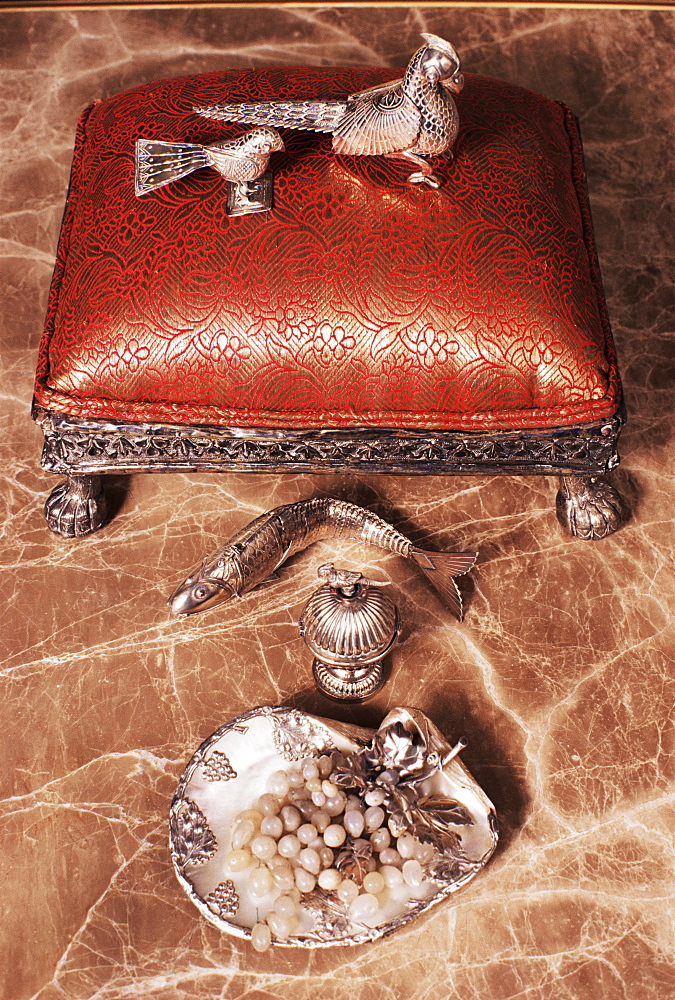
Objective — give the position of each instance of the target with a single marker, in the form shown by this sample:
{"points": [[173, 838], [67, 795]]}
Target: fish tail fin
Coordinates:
{"points": [[160, 163], [440, 568]]}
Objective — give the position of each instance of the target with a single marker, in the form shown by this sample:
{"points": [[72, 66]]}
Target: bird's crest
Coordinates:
{"points": [[440, 44]]}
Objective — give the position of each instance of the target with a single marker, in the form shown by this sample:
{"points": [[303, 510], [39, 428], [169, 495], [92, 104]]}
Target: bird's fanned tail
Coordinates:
{"points": [[440, 568], [160, 163], [316, 116]]}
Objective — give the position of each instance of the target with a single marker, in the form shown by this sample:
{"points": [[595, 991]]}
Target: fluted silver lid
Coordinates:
{"points": [[352, 624]]}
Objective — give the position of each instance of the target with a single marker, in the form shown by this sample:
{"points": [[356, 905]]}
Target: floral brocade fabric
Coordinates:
{"points": [[359, 300]]}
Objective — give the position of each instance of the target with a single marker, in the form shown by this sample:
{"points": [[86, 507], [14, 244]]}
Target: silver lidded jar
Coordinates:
{"points": [[349, 625]]}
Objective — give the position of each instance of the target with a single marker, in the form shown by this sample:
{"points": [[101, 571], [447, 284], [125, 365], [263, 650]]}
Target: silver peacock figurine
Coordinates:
{"points": [[240, 161], [410, 118]]}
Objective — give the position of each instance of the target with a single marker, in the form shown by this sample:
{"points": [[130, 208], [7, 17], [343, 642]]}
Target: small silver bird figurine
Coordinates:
{"points": [[239, 160], [409, 118]]}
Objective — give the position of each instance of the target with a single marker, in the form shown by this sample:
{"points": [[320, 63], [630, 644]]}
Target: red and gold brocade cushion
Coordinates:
{"points": [[359, 300]]}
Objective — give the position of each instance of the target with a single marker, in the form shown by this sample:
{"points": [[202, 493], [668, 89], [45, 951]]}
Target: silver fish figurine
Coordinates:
{"points": [[255, 552]]}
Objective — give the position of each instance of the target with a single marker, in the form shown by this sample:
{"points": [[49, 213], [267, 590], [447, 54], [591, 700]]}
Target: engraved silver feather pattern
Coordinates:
{"points": [[255, 552], [411, 118], [315, 116]]}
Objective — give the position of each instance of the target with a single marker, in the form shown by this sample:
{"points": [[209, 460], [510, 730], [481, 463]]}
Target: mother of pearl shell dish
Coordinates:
{"points": [[233, 768]]}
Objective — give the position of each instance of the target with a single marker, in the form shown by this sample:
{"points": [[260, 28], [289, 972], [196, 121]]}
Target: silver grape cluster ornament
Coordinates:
{"points": [[396, 763]]}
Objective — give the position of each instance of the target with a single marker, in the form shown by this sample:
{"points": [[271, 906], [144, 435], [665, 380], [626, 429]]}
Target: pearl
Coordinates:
{"points": [[347, 891], [278, 784], [334, 835], [272, 826], [291, 818], [319, 799], [354, 823], [263, 847], [412, 873], [405, 845], [254, 815], [295, 778], [330, 879], [321, 820], [284, 879], [286, 906], [238, 861], [327, 857], [313, 785], [260, 882], [242, 833], [289, 846], [298, 793], [381, 839], [269, 805], [335, 804], [390, 857], [278, 924], [310, 860], [261, 937], [307, 832], [375, 797], [374, 818], [329, 789], [364, 907], [309, 770], [325, 765], [393, 877], [373, 882], [304, 880]]}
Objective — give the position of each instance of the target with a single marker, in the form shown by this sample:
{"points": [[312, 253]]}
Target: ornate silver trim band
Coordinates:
{"points": [[105, 446]]}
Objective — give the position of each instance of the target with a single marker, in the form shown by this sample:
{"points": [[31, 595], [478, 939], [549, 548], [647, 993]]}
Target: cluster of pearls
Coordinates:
{"points": [[289, 842]]}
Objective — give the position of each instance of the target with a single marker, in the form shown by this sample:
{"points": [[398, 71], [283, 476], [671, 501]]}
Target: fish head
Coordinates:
{"points": [[209, 584]]}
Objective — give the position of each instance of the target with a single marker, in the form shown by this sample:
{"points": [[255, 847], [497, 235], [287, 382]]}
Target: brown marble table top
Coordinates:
{"points": [[561, 676]]}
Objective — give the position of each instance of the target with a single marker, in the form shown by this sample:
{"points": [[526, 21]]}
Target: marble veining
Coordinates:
{"points": [[561, 676]]}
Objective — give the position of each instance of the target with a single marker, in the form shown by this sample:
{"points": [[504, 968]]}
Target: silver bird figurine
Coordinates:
{"points": [[255, 552], [239, 160], [408, 118]]}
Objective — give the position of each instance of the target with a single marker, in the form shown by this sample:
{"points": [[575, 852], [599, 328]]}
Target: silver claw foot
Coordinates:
{"points": [[420, 178], [589, 507], [76, 507]]}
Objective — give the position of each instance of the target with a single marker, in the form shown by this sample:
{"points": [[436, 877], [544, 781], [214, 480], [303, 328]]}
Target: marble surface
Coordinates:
{"points": [[561, 676]]}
